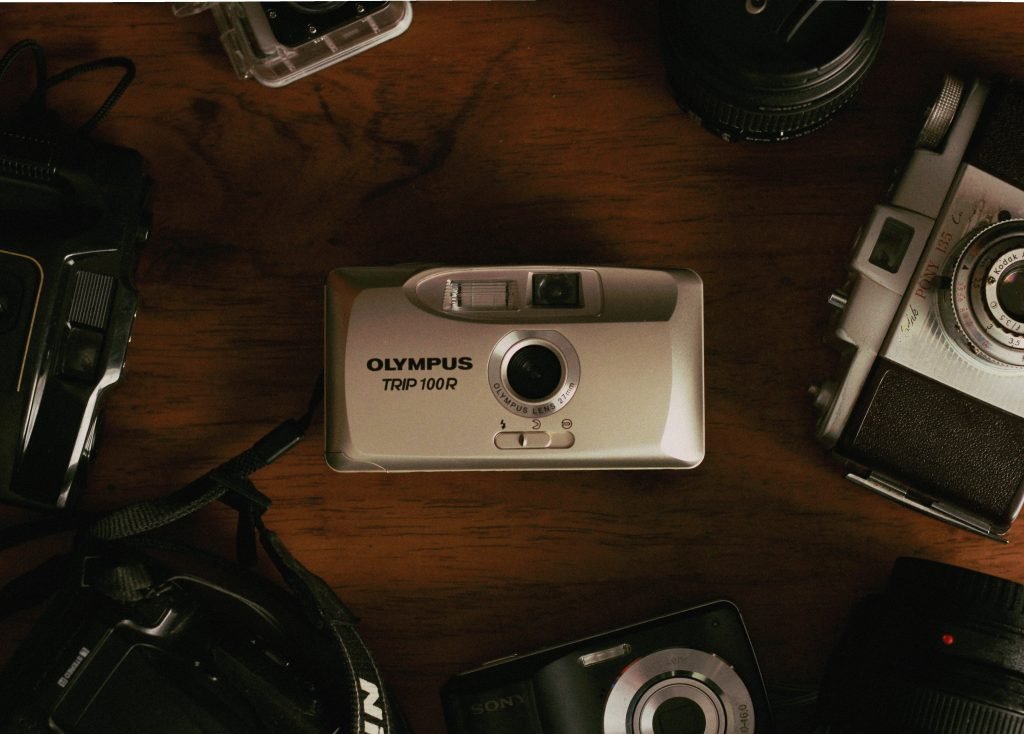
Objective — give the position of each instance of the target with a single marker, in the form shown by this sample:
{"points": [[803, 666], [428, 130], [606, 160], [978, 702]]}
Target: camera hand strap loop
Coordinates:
{"points": [[372, 711]]}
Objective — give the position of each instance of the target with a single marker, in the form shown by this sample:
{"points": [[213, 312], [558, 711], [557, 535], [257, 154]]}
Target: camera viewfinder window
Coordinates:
{"points": [[893, 241], [556, 290]]}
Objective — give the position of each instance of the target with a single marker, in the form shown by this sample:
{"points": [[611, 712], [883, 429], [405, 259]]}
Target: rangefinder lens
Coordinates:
{"points": [[1010, 292], [556, 290], [534, 372]]}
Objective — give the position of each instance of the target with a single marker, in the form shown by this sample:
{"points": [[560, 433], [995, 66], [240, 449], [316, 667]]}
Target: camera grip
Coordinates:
{"points": [[938, 441]]}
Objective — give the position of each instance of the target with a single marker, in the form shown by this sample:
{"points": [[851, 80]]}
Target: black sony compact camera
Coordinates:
{"points": [[74, 213], [939, 651], [130, 646], [929, 408], [693, 671]]}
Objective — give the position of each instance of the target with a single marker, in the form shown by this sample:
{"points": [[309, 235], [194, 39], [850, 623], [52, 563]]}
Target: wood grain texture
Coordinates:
{"points": [[498, 133]]}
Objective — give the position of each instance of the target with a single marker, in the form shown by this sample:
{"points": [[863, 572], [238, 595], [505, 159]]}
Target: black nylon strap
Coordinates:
{"points": [[372, 710]]}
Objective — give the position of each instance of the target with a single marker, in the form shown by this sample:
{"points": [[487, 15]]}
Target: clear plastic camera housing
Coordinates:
{"points": [[250, 33]]}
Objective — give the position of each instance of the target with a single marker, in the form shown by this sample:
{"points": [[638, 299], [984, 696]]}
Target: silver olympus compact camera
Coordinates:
{"points": [[930, 406], [690, 672], [513, 368]]}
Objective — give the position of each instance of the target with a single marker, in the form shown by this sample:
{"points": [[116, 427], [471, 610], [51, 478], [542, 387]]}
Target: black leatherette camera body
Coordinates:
{"points": [[74, 213]]}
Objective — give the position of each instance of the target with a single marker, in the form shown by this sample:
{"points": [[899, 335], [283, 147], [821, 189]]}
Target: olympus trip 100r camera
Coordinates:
{"points": [[523, 367], [692, 672], [929, 409], [74, 214]]}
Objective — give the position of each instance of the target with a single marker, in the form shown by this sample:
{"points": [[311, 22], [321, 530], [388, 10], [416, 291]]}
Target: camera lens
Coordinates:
{"points": [[1010, 292], [534, 372], [679, 691], [767, 69], [679, 716], [940, 651]]}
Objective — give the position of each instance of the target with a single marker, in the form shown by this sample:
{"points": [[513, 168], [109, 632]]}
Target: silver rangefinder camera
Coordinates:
{"points": [[929, 409], [525, 367]]}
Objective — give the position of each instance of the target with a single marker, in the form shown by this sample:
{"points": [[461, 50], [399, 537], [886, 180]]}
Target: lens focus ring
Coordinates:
{"points": [[679, 689], [986, 290]]}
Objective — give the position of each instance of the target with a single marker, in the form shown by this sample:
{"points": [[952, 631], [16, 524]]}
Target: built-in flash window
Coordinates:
{"points": [[602, 656], [480, 295]]}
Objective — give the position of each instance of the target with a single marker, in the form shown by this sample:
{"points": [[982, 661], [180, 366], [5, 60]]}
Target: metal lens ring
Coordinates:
{"points": [[679, 689], [985, 278], [533, 373]]}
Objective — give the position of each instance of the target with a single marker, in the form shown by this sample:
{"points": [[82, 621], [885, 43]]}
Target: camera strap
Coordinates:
{"points": [[373, 711]]}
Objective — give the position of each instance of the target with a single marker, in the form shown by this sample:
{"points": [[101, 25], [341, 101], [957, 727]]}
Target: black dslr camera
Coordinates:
{"points": [[693, 671], [133, 647], [74, 214], [939, 651]]}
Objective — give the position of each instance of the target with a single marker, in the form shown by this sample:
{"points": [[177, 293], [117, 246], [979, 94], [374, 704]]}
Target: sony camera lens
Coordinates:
{"points": [[1010, 292], [557, 290], [534, 372], [940, 651]]}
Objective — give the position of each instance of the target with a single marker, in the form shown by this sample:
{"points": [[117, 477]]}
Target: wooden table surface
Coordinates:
{"points": [[500, 132]]}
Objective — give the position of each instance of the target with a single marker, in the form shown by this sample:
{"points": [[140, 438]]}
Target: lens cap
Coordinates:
{"points": [[767, 70]]}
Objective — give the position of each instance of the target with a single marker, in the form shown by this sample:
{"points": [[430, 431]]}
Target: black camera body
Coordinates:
{"points": [[74, 213], [691, 671], [130, 644]]}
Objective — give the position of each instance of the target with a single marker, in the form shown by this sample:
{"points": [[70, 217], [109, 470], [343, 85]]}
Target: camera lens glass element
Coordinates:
{"points": [[1010, 292], [556, 290], [939, 651], [679, 716], [534, 372]]}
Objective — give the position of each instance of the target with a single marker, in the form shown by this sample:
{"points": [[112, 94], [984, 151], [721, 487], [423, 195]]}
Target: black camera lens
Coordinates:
{"points": [[556, 290], [767, 69], [679, 716], [1010, 292], [940, 651], [534, 372]]}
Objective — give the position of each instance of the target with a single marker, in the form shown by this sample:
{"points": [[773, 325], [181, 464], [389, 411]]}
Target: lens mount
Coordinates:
{"points": [[679, 689], [533, 373], [987, 293]]}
